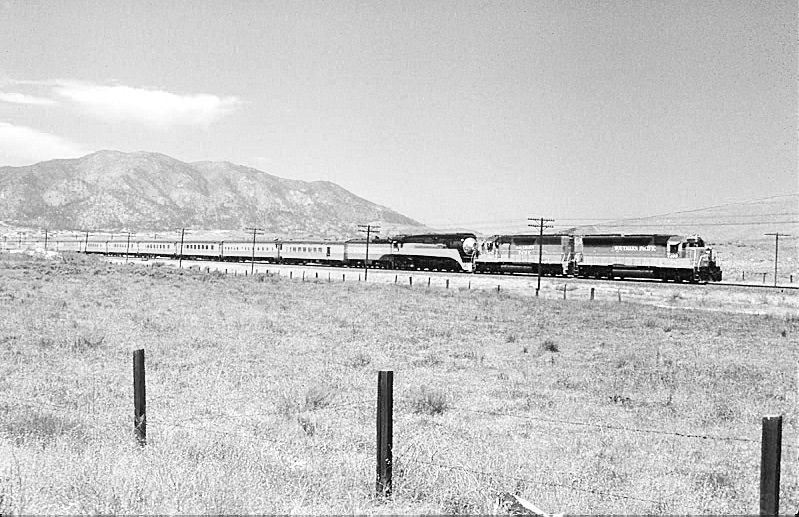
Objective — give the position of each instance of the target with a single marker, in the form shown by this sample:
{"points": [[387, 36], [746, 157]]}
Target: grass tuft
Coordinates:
{"points": [[430, 401]]}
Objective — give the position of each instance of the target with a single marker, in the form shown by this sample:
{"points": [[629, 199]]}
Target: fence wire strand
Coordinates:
{"points": [[608, 426], [533, 481]]}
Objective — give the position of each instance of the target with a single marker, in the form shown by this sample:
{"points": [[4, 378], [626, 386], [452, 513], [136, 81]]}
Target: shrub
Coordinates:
{"points": [[317, 397], [549, 345], [430, 401]]}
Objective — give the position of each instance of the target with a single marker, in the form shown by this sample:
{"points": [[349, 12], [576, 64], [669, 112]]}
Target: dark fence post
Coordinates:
{"points": [[764, 277], [385, 439], [619, 295], [303, 276], [343, 277], [317, 276], [469, 287], [139, 400], [395, 279], [291, 274], [498, 288], [743, 275], [592, 293], [447, 283], [564, 291], [410, 281], [428, 281], [770, 451]]}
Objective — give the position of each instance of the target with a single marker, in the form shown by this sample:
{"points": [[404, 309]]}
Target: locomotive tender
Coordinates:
{"points": [[660, 256]]}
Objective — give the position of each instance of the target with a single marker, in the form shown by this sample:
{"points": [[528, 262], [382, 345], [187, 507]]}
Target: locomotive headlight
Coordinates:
{"points": [[469, 244]]}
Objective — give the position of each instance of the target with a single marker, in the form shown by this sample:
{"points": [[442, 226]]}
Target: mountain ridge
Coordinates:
{"points": [[153, 191]]}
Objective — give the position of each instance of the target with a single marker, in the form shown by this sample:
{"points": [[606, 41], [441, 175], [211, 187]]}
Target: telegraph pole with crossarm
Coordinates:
{"points": [[255, 231], [541, 223], [777, 236], [368, 228]]}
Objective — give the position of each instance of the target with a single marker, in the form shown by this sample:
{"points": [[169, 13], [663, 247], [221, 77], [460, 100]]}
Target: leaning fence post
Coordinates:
{"points": [[139, 401], [385, 440], [770, 451], [395, 279], [428, 281]]}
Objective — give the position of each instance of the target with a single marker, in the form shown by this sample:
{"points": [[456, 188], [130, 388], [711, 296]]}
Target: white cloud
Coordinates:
{"points": [[21, 98], [20, 145], [155, 107]]}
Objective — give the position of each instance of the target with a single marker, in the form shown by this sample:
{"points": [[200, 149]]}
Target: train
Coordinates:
{"points": [[665, 257]]}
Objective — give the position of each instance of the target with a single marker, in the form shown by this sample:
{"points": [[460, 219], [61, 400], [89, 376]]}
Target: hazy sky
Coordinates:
{"points": [[451, 112]]}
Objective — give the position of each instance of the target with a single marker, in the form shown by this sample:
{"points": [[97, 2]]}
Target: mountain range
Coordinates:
{"points": [[142, 191]]}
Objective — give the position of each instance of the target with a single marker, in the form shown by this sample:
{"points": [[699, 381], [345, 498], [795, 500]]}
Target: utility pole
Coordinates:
{"points": [[368, 228], [254, 231], [180, 259], [127, 249], [541, 223], [777, 251]]}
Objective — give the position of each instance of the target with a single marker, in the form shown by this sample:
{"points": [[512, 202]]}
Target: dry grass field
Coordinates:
{"points": [[260, 397]]}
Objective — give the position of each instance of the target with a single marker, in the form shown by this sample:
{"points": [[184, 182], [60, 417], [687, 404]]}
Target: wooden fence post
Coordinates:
{"points": [[469, 287], [592, 293], [410, 281], [395, 279], [139, 400], [743, 275], [770, 452], [385, 439], [428, 281], [317, 276], [343, 277], [303, 276], [359, 277], [564, 291], [619, 295], [291, 274], [498, 288], [447, 283]]}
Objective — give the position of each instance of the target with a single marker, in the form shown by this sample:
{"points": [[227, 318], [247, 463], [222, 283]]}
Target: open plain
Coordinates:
{"points": [[261, 395]]}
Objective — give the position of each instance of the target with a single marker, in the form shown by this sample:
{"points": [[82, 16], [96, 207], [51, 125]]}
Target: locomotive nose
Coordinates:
{"points": [[469, 244]]}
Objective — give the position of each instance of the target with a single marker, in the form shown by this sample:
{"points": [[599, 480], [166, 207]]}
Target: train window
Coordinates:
{"points": [[674, 248]]}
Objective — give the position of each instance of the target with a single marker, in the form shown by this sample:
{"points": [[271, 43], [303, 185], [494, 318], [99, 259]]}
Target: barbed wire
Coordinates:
{"points": [[607, 426], [533, 481]]}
